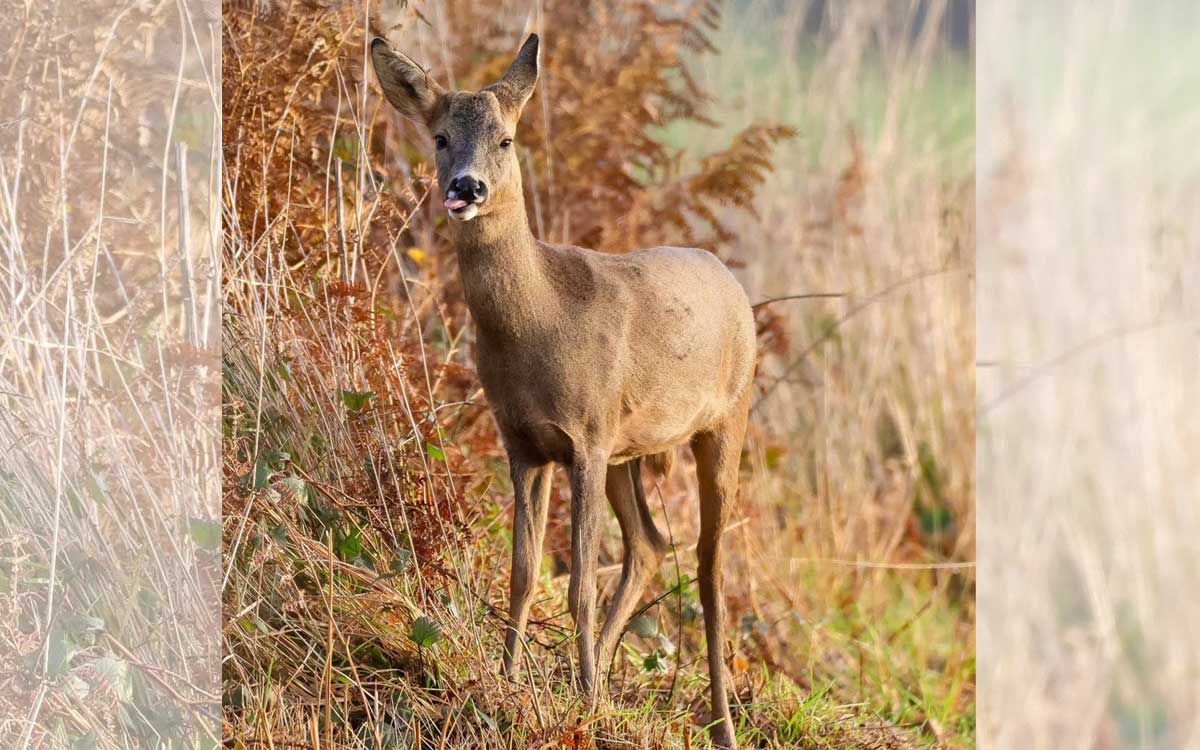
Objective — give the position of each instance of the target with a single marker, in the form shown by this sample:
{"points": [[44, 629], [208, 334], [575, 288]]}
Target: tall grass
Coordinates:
{"points": [[366, 527], [109, 533]]}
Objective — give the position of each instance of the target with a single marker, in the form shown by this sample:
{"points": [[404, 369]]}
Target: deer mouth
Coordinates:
{"points": [[461, 210]]}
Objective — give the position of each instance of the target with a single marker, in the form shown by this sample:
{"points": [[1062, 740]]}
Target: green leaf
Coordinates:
{"points": [[296, 487], [268, 465], [95, 488], [644, 625], [149, 603], [434, 452], [684, 590], [750, 624], [930, 473], [115, 672], [60, 651], [205, 534], [86, 742], [349, 546], [398, 564], [262, 474], [83, 628], [936, 520], [424, 632], [401, 561], [356, 400], [654, 662]]}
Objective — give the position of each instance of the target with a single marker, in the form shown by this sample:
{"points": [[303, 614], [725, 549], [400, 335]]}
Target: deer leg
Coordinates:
{"points": [[531, 502], [587, 490], [644, 550], [718, 453]]}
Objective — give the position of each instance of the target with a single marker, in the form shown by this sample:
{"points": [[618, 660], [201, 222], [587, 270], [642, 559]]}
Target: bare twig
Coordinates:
{"points": [[815, 295], [853, 311]]}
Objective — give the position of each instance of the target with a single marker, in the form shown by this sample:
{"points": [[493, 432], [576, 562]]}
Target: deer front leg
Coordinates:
{"points": [[531, 501], [587, 499]]}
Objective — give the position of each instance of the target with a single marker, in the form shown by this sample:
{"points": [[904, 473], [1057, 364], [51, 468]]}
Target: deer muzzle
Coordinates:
{"points": [[464, 196]]}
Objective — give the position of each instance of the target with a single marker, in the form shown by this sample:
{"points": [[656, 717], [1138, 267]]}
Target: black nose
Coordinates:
{"points": [[467, 188]]}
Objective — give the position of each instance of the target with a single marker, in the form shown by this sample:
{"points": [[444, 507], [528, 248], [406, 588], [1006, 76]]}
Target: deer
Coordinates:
{"points": [[588, 360]]}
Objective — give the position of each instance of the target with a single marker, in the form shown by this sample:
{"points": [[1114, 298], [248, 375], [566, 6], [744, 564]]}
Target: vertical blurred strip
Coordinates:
{"points": [[1089, 374], [109, 354]]}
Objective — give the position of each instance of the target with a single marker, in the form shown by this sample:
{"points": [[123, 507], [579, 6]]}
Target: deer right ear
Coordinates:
{"points": [[405, 84], [515, 88]]}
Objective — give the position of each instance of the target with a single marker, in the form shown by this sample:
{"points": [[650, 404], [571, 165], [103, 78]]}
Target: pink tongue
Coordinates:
{"points": [[455, 203]]}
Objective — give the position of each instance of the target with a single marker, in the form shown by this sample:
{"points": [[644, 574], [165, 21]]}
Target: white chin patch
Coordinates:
{"points": [[466, 213]]}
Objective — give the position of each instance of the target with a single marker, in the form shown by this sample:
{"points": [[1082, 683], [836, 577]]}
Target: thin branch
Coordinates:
{"points": [[853, 311], [815, 295], [1083, 347]]}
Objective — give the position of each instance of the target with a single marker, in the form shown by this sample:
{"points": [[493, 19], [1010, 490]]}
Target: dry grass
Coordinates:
{"points": [[365, 512], [109, 539]]}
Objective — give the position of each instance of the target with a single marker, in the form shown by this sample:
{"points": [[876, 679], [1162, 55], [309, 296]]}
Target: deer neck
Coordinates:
{"points": [[502, 275]]}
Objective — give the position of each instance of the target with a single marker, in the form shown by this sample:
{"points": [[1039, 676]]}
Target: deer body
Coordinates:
{"points": [[590, 361], [628, 349]]}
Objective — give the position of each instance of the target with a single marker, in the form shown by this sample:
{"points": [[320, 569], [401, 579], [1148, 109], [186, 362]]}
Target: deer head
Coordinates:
{"points": [[473, 133]]}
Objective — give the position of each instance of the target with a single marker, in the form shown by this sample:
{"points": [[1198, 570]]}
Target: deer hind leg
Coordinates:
{"points": [[644, 550], [531, 501], [718, 453], [587, 498]]}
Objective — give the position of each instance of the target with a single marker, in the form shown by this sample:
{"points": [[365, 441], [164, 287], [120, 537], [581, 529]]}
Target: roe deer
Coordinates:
{"points": [[590, 361]]}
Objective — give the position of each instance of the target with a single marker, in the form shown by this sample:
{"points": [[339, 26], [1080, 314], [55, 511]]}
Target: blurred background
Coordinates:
{"points": [[817, 148], [1089, 379], [109, 379]]}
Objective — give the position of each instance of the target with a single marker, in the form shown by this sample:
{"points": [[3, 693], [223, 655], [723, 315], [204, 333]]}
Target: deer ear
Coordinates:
{"points": [[405, 84], [515, 88]]}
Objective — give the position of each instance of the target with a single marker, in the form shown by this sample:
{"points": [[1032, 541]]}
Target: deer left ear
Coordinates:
{"points": [[515, 88], [404, 83]]}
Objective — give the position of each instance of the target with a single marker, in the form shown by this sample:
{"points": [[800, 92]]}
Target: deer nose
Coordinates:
{"points": [[467, 188]]}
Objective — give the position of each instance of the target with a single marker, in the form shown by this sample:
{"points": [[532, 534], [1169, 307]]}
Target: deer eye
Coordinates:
{"points": [[506, 143], [440, 142]]}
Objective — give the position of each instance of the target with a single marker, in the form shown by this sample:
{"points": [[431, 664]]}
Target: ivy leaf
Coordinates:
{"points": [[397, 565], [268, 465], [82, 629], [60, 652], [356, 401], [424, 632]]}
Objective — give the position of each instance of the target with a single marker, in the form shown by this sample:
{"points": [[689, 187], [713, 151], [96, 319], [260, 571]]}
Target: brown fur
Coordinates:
{"points": [[590, 361]]}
